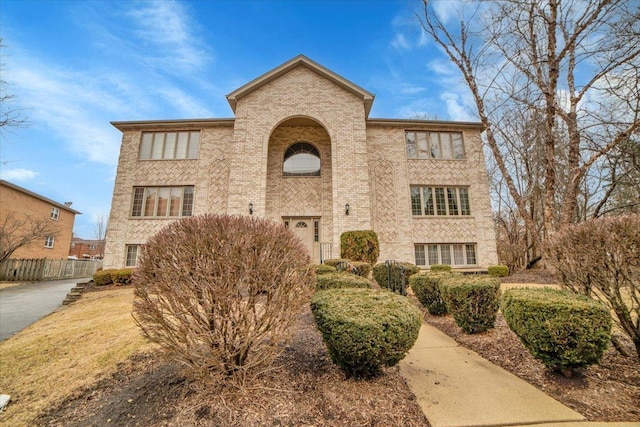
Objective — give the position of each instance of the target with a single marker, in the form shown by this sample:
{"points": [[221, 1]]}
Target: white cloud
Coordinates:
{"points": [[400, 42], [18, 174], [457, 107], [446, 9]]}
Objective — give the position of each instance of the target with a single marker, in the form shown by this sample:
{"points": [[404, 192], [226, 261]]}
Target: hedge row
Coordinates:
{"points": [[117, 276], [365, 329], [340, 280], [472, 300]]}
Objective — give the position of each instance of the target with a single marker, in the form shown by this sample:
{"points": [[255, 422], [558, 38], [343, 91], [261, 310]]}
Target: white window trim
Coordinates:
{"points": [[126, 255], [446, 201], [451, 254], [49, 242], [54, 214], [176, 143], [143, 215], [440, 144]]}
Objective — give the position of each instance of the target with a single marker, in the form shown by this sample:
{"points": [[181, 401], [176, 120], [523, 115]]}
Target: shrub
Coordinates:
{"points": [[361, 268], [472, 300], [335, 262], [563, 330], [324, 269], [102, 277], [365, 329], [601, 258], [440, 267], [220, 293], [426, 287], [341, 280], [361, 245], [399, 274], [122, 276], [498, 270]]}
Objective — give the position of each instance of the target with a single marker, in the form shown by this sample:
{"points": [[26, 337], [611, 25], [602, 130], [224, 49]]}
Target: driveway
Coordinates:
{"points": [[20, 306]]}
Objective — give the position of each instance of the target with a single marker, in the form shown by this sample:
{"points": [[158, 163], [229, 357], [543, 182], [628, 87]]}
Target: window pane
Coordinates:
{"points": [[302, 164], [170, 146], [158, 143], [453, 201], [433, 254], [440, 201], [132, 255], [435, 146], [145, 146], [316, 231], [411, 144], [458, 146], [163, 201], [415, 201], [427, 196], [471, 254], [150, 201], [138, 196], [458, 254], [464, 201], [194, 145], [181, 148], [176, 195], [187, 201], [445, 254], [423, 145], [420, 258], [445, 139]]}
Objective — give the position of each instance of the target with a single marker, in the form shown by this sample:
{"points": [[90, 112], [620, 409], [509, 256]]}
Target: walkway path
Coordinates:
{"points": [[457, 388], [20, 306]]}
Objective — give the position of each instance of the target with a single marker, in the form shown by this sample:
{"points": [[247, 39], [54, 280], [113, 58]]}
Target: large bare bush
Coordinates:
{"points": [[219, 293], [601, 258]]}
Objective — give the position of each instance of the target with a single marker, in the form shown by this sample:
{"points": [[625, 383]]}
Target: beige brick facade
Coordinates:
{"points": [[21, 206], [363, 164]]}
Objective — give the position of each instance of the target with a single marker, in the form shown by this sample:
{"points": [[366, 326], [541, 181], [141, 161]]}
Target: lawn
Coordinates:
{"points": [[65, 351]]}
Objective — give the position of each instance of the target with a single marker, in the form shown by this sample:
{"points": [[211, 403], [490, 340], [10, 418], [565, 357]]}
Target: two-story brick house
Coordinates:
{"points": [[20, 209], [303, 151]]}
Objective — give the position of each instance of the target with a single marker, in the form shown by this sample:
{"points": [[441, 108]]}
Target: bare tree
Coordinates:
{"points": [[101, 232], [16, 233], [9, 116], [556, 83]]}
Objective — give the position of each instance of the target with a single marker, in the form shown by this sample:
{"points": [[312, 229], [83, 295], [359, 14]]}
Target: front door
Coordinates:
{"points": [[307, 230]]}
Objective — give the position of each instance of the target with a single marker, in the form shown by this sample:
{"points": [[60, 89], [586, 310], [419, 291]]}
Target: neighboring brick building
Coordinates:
{"points": [[86, 249], [20, 204], [302, 150]]}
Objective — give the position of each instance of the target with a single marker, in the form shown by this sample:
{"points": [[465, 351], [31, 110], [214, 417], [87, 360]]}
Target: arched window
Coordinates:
{"points": [[301, 159]]}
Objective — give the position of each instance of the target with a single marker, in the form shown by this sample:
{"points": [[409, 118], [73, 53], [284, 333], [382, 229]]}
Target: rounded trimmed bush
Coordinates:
{"points": [[563, 330], [498, 270], [361, 268], [360, 245], [426, 287], [341, 280], [334, 262], [103, 277], [323, 269], [365, 329], [472, 300]]}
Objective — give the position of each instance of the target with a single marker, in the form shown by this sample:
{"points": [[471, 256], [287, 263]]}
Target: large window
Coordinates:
{"points": [[131, 255], [454, 254], [434, 145], [301, 159], [161, 202], [440, 201], [169, 145]]}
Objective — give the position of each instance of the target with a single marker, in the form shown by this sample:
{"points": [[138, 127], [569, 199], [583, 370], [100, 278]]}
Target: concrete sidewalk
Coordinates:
{"points": [[456, 387]]}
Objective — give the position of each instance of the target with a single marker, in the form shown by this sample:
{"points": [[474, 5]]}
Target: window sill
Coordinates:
{"points": [[442, 216]]}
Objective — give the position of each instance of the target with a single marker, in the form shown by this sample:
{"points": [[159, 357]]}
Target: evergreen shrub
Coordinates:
{"points": [[323, 269], [365, 329], [103, 277], [563, 330], [360, 245], [400, 272], [426, 287], [440, 267], [472, 300], [498, 270], [340, 280], [361, 268]]}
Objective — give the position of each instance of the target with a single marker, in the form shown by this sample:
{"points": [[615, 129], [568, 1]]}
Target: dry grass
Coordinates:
{"points": [[69, 349], [4, 285]]}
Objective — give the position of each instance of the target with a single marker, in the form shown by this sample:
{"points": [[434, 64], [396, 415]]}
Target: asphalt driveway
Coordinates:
{"points": [[20, 306]]}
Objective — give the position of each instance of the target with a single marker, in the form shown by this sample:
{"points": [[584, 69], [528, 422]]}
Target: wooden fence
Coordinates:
{"points": [[46, 269]]}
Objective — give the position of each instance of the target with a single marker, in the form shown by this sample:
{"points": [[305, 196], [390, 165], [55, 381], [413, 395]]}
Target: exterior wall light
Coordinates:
{"points": [[346, 209], [250, 208]]}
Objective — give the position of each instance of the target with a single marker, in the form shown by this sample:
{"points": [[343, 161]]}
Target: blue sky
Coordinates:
{"points": [[74, 66]]}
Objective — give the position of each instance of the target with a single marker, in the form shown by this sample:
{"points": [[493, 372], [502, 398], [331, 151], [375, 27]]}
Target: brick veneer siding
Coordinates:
{"points": [[23, 206], [364, 164]]}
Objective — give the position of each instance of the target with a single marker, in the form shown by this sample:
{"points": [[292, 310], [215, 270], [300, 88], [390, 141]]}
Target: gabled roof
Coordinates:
{"points": [[37, 196], [301, 60]]}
